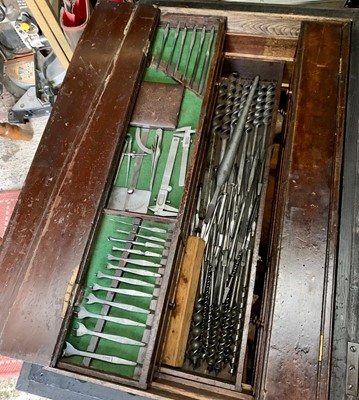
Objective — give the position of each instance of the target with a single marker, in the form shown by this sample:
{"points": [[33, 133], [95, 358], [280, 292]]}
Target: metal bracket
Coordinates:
{"points": [[352, 369]]}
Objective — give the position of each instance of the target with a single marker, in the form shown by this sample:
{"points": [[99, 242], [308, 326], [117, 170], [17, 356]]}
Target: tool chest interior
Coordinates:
{"points": [[184, 153]]}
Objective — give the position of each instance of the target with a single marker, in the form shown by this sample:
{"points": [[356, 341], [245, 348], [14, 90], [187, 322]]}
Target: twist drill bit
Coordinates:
{"points": [[225, 342], [231, 103], [227, 162], [213, 332], [194, 346], [243, 290]]}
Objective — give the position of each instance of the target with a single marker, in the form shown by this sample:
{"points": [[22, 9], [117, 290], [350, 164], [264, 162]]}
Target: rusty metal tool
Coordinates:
{"points": [[206, 62], [142, 263], [83, 313], [14, 132], [130, 281], [161, 207], [163, 44], [81, 330], [226, 165], [153, 238], [70, 351], [193, 40], [138, 252], [135, 271], [169, 61], [184, 34], [142, 244], [127, 292], [198, 56], [92, 299]]}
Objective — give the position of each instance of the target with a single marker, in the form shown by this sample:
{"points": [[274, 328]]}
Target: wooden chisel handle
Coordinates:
{"points": [[14, 132]]}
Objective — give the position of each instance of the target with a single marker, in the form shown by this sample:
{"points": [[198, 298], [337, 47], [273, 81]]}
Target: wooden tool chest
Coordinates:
{"points": [[186, 228]]}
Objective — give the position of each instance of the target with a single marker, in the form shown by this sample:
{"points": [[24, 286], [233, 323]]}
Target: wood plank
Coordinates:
{"points": [[180, 322], [68, 180], [263, 47], [306, 218]]}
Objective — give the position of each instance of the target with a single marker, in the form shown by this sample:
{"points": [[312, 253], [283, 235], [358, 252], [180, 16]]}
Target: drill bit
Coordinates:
{"points": [[70, 351], [142, 263], [92, 299], [130, 281], [135, 271], [226, 165], [81, 330]]}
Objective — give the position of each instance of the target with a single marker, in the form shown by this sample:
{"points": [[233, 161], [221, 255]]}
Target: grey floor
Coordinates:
{"points": [[16, 156], [15, 160]]}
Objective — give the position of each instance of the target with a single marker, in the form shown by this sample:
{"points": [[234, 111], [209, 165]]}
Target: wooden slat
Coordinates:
{"points": [[68, 180], [307, 216], [177, 336], [263, 47]]}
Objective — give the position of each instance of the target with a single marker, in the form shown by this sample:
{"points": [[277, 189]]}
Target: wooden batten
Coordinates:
{"points": [[180, 322]]}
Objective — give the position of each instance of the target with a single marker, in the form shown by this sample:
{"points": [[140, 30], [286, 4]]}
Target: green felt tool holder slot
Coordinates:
{"points": [[187, 54], [98, 263]]}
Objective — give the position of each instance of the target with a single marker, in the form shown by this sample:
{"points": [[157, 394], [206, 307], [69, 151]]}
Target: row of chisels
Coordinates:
{"points": [[184, 52], [113, 320]]}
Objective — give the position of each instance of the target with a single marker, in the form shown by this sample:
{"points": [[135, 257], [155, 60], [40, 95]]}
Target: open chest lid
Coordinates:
{"points": [[68, 179], [55, 220]]}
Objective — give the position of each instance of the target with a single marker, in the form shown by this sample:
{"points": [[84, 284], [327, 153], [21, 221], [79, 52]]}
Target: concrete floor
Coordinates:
{"points": [[16, 156], [8, 391], [15, 161]]}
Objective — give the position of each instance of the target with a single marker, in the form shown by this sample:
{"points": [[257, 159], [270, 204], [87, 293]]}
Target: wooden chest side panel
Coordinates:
{"points": [[309, 191], [69, 178]]}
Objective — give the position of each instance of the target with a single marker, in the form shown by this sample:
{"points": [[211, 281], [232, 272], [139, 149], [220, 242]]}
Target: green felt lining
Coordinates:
{"points": [[98, 262], [182, 65], [188, 116]]}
